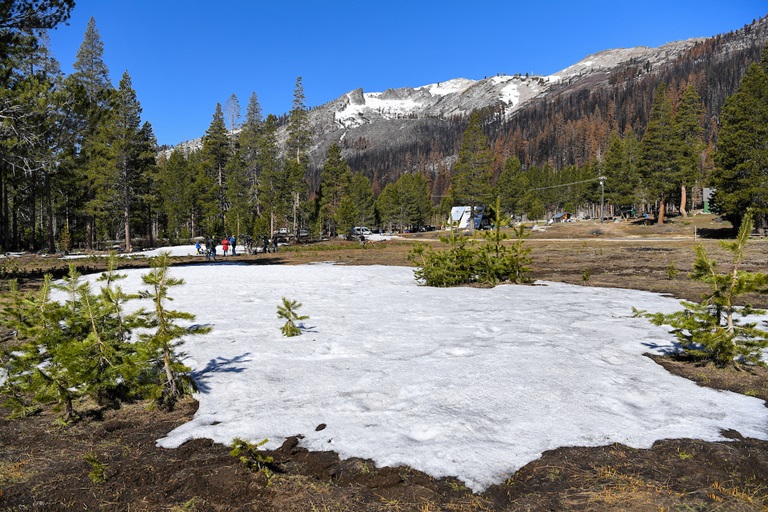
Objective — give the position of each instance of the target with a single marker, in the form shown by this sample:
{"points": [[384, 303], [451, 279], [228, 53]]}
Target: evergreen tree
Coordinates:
{"points": [[91, 73], [297, 145], [250, 137], [741, 160], [74, 349], [232, 113], [471, 183], [21, 20], [37, 141], [239, 215], [405, 203], [657, 153], [270, 187], [621, 181], [127, 143], [175, 188], [159, 345], [512, 185], [711, 329], [687, 136], [216, 152], [361, 194], [335, 178], [92, 88]]}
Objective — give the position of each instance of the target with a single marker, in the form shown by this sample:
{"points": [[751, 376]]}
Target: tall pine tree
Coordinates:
{"points": [[215, 155], [471, 183], [687, 137], [297, 145], [741, 161], [657, 153]]}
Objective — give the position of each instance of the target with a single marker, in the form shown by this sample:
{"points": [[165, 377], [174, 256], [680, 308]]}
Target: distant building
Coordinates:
{"points": [[460, 217]]}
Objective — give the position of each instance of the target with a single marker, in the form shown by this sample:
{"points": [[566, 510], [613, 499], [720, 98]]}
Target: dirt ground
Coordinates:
{"points": [[108, 461]]}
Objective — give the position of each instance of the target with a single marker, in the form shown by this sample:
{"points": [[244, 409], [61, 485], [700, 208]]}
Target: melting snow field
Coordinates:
{"points": [[430, 378]]}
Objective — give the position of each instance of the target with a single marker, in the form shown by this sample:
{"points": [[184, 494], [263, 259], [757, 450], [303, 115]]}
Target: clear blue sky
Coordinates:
{"points": [[184, 56]]}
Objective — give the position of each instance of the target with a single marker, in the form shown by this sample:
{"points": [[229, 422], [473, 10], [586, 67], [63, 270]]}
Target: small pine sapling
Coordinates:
{"points": [[168, 376], [287, 311], [250, 456], [672, 271], [710, 329]]}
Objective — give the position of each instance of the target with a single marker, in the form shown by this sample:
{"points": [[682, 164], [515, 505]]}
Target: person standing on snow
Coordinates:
{"points": [[232, 243], [210, 249], [225, 245]]}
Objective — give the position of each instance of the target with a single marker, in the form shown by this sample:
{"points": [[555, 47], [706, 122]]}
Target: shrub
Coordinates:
{"points": [[83, 345], [465, 262]]}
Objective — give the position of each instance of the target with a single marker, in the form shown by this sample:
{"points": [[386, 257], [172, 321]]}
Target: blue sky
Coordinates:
{"points": [[185, 56]]}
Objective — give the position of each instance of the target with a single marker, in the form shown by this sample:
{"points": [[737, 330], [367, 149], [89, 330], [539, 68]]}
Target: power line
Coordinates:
{"points": [[556, 186], [569, 184]]}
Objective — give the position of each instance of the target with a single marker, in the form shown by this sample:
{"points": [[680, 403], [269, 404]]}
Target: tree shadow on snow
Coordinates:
{"points": [[667, 349], [218, 365]]}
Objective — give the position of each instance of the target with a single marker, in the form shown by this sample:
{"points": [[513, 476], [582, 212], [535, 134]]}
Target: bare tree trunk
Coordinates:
{"points": [[683, 200], [127, 219], [89, 233], [662, 207], [49, 213]]}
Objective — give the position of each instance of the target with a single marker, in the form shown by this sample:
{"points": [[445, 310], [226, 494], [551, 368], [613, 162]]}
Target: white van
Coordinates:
{"points": [[359, 231]]}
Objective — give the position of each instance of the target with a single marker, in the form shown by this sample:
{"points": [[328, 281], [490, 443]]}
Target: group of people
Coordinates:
{"points": [[208, 247]]}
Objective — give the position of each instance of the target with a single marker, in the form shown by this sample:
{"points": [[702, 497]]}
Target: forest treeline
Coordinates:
{"points": [[79, 168]]}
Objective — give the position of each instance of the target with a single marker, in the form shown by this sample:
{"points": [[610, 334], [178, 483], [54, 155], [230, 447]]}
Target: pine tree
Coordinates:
{"points": [[297, 145], [73, 349], [288, 312], [407, 202], [512, 185], [249, 148], [215, 155], [710, 329], [232, 113], [91, 73], [169, 377], [621, 181], [91, 85], [37, 139], [238, 187], [335, 178], [741, 160], [175, 188], [471, 183], [125, 141], [657, 153], [361, 194], [687, 136], [270, 189]]}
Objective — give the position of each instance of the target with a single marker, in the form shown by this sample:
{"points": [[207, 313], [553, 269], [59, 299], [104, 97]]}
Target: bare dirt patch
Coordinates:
{"points": [[43, 466]]}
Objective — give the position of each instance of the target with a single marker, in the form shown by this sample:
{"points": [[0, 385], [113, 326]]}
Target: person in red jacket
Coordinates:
{"points": [[225, 245]]}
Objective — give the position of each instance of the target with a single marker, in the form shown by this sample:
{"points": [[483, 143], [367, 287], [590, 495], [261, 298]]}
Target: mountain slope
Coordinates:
{"points": [[419, 128]]}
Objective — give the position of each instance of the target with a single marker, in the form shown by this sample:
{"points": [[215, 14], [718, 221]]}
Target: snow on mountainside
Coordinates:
{"points": [[459, 97], [462, 96]]}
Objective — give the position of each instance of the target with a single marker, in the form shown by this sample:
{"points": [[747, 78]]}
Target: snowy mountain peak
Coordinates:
{"points": [[459, 97]]}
